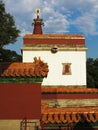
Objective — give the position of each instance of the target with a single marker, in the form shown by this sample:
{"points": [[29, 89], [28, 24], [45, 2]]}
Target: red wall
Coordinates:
{"points": [[53, 41], [69, 96], [74, 129], [18, 101]]}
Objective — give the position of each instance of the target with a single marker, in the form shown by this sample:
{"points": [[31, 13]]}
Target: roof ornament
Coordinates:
{"points": [[38, 22], [38, 12]]}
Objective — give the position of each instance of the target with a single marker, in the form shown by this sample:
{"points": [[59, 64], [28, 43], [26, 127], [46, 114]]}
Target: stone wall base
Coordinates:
{"points": [[71, 102], [17, 124]]}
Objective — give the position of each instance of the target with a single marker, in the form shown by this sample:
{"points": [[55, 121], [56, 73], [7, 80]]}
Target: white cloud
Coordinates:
{"points": [[22, 6], [23, 32], [57, 15], [86, 24], [55, 25]]}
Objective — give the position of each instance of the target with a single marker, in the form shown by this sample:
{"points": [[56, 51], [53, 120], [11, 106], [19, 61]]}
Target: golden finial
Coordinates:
{"points": [[38, 12]]}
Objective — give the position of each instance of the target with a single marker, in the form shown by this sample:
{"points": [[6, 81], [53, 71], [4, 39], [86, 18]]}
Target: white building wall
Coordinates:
{"points": [[55, 76]]}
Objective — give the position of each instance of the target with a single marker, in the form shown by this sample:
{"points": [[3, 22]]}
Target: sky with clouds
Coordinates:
{"points": [[59, 16]]}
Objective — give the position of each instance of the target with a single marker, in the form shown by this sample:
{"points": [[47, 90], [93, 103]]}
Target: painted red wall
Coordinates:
{"points": [[74, 129], [18, 101], [53, 41], [69, 96]]}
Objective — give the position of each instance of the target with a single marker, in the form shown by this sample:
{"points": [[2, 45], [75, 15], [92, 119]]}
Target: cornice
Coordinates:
{"points": [[49, 47], [55, 36]]}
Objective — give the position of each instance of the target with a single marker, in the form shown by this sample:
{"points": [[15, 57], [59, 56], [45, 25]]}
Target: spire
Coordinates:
{"points": [[37, 23]]}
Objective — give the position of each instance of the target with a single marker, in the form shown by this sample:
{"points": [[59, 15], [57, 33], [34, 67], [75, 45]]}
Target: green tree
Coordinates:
{"points": [[96, 72], [8, 34], [92, 73], [9, 56], [8, 30]]}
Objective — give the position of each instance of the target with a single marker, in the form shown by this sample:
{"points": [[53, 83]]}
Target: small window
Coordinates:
{"points": [[66, 68]]}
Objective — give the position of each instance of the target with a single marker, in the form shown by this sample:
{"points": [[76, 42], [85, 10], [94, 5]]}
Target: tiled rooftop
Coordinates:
{"points": [[68, 115], [36, 68], [67, 90], [55, 36]]}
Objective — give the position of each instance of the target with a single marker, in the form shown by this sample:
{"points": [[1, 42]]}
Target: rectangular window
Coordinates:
{"points": [[66, 69]]}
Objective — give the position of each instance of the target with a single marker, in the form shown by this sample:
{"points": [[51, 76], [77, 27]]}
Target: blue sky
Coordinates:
{"points": [[59, 16]]}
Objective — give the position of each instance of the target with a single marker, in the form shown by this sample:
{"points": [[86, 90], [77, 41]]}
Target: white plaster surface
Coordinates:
{"points": [[55, 77]]}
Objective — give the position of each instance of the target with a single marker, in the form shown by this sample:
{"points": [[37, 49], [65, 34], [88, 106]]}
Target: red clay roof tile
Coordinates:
{"points": [[36, 68], [67, 90], [73, 114], [54, 36]]}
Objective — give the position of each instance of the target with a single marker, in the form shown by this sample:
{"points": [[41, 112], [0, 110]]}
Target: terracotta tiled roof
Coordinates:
{"points": [[68, 115], [54, 39], [36, 68], [67, 90], [55, 36]]}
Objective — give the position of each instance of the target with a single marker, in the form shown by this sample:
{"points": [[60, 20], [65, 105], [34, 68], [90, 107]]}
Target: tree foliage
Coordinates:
{"points": [[92, 73], [8, 30], [9, 56], [8, 34]]}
